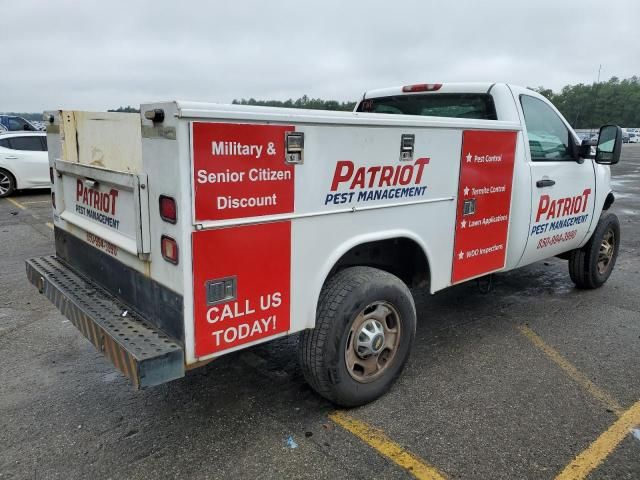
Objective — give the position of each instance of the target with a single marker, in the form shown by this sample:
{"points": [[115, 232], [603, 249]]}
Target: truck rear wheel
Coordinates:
{"points": [[365, 326], [591, 265]]}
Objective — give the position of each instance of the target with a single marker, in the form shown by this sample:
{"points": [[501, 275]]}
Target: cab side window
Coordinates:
{"points": [[548, 136]]}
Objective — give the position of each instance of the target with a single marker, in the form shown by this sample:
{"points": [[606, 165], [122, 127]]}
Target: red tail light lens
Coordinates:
{"points": [[169, 249], [53, 199], [422, 87], [168, 209]]}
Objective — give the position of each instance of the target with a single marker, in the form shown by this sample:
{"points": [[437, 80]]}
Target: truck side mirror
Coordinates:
{"points": [[609, 145], [585, 149], [579, 152]]}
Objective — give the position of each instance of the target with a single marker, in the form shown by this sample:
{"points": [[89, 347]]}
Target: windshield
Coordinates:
{"points": [[455, 105]]}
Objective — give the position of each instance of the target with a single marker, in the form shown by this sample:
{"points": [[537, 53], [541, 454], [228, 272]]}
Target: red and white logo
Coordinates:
{"points": [[549, 208], [259, 258], [239, 171]]}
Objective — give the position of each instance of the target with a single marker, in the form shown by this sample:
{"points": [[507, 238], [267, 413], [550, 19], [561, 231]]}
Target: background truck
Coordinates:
{"points": [[196, 229]]}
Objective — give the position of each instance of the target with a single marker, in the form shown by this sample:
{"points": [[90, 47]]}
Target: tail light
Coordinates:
{"points": [[168, 209], [169, 249], [53, 200], [422, 87], [51, 174]]}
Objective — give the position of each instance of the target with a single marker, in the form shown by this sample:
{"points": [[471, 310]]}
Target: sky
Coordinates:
{"points": [[96, 55]]}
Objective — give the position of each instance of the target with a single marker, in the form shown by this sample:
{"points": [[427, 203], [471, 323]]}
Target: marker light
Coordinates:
{"points": [[168, 209], [169, 249]]}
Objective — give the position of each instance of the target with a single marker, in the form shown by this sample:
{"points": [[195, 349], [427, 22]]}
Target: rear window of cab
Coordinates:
{"points": [[478, 106]]}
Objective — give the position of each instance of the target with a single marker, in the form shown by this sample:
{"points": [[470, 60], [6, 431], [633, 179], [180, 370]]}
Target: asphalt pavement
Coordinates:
{"points": [[533, 380]]}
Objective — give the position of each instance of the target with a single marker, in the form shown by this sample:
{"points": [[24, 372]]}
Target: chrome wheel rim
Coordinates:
{"points": [[373, 340], [605, 254], [5, 183]]}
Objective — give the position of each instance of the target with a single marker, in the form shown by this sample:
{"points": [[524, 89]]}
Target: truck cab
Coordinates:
{"points": [[561, 182]]}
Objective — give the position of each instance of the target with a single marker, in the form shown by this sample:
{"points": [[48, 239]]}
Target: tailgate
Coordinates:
{"points": [[111, 206], [100, 186]]}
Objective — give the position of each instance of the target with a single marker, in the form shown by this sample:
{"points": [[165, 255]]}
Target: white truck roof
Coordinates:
{"points": [[459, 87]]}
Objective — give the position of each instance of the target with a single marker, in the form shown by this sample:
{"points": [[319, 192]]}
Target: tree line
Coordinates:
{"points": [[587, 106], [27, 116], [584, 106], [302, 102]]}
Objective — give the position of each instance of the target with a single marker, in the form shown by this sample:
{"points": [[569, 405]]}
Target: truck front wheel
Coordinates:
{"points": [[591, 265], [365, 326]]}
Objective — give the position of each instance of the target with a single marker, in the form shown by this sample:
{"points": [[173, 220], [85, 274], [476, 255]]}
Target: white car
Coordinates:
{"points": [[23, 161]]}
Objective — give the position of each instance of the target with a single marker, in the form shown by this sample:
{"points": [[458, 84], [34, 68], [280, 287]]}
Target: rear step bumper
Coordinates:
{"points": [[143, 353]]}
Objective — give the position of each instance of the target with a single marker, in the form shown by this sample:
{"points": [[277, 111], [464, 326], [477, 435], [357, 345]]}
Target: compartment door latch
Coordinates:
{"points": [[407, 141], [294, 148]]}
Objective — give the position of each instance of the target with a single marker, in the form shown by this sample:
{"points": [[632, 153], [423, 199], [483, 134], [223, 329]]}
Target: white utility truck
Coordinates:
{"points": [[195, 229]]}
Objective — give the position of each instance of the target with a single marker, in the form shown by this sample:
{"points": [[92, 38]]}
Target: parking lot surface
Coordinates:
{"points": [[533, 380]]}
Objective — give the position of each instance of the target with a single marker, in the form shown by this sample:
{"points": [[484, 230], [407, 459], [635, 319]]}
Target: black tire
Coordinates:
{"points": [[587, 267], [345, 298], [7, 183]]}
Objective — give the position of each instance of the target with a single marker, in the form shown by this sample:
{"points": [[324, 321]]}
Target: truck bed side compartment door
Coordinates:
{"points": [[484, 203]]}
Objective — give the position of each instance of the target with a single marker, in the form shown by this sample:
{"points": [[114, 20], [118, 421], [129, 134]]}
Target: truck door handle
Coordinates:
{"points": [[11, 157], [545, 183]]}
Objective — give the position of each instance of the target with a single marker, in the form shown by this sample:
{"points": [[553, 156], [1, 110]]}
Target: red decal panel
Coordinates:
{"points": [[484, 193], [239, 171], [259, 258]]}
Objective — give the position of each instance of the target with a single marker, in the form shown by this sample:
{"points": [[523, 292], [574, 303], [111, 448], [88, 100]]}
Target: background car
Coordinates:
{"points": [[634, 137], [24, 162], [584, 136], [14, 123]]}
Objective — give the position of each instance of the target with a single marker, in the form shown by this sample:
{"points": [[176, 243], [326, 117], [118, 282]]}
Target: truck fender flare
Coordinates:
{"points": [[352, 242], [609, 201]]}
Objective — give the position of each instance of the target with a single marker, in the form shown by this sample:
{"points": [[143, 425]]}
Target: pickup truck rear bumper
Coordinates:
{"points": [[140, 351]]}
